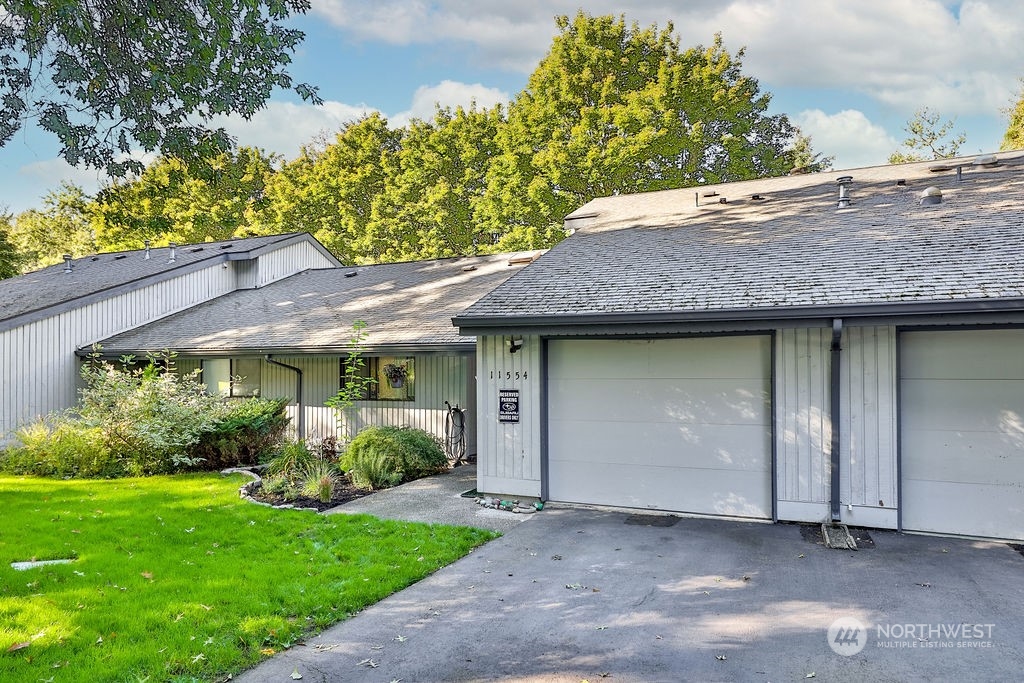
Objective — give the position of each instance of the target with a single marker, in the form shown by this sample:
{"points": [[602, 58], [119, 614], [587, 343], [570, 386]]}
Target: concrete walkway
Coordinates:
{"points": [[576, 594], [434, 500]]}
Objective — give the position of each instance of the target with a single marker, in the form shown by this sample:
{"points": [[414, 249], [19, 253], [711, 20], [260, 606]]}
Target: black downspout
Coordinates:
{"points": [[301, 426], [837, 336]]}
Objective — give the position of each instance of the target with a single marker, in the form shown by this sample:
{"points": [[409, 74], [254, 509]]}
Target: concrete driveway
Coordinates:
{"points": [[576, 594]]}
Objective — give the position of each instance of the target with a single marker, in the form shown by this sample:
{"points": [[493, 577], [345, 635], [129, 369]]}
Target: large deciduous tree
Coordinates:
{"points": [[928, 138], [1014, 137], [60, 227], [615, 108], [329, 190], [172, 201], [426, 208], [109, 77], [10, 258]]}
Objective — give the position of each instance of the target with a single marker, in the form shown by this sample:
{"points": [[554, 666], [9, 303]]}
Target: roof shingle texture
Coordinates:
{"points": [[660, 252], [50, 286], [314, 311]]}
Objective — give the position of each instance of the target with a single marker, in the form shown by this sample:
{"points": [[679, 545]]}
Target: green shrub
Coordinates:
{"points": [[150, 417], [247, 433], [320, 478], [145, 420], [379, 457], [60, 447], [290, 460]]}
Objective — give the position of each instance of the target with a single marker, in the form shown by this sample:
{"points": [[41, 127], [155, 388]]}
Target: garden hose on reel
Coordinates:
{"points": [[455, 434]]}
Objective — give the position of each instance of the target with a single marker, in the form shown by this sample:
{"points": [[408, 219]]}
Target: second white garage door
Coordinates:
{"points": [[962, 432], [669, 424]]}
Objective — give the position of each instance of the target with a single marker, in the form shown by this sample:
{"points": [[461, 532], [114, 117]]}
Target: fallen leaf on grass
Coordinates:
{"points": [[147, 575], [268, 651], [198, 658], [18, 646]]}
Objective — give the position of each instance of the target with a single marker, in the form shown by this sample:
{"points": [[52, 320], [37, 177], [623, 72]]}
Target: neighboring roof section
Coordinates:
{"points": [[780, 247], [104, 273], [407, 306]]}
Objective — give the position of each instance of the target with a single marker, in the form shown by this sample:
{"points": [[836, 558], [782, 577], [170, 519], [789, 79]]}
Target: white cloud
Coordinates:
{"points": [[849, 135], [284, 127], [448, 94], [957, 57], [49, 173]]}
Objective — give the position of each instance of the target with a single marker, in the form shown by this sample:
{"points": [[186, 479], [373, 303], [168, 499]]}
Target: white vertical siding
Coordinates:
{"points": [[438, 378], [38, 359], [289, 260], [868, 426], [803, 426], [508, 455]]}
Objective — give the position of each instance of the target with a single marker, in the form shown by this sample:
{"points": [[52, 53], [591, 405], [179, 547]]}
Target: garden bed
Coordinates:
{"points": [[344, 491]]}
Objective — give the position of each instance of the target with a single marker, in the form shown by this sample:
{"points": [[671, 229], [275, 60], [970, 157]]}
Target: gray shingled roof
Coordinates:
{"points": [[95, 275], [405, 305], [661, 255]]}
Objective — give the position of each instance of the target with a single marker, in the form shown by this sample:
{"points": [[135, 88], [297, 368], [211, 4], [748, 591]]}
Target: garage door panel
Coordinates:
{"points": [[699, 401], [744, 494], [670, 424], [962, 432], [978, 354], [934, 512], [719, 447], [709, 358], [971, 405], [969, 457]]}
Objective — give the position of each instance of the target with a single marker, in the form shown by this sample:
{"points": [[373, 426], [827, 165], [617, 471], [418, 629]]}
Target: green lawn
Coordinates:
{"points": [[176, 578]]}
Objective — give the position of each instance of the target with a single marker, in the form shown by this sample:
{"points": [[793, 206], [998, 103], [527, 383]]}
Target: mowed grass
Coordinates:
{"points": [[176, 578]]}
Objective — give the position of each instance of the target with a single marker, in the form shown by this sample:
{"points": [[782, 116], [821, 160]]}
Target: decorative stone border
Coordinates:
{"points": [[249, 488]]}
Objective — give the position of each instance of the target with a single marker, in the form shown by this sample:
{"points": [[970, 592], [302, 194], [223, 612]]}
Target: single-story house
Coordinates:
{"points": [[841, 346], [48, 315], [290, 339]]}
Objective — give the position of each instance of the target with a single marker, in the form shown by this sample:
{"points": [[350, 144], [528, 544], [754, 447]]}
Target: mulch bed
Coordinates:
{"points": [[343, 493]]}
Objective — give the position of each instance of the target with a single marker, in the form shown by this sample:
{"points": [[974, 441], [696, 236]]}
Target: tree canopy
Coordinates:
{"points": [[110, 77], [616, 108], [612, 108], [43, 236], [928, 138], [10, 258], [171, 201], [1014, 137]]}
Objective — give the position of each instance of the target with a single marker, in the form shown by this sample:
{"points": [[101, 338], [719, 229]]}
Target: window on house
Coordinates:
{"points": [[394, 377], [245, 377]]}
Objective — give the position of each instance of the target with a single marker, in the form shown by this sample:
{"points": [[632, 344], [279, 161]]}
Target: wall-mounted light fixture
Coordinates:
{"points": [[514, 344]]}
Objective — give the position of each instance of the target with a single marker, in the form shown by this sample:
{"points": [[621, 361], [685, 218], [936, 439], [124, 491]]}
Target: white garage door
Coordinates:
{"points": [[962, 432], [667, 424]]}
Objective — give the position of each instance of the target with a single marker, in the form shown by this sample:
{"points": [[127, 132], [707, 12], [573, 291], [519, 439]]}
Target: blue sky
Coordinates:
{"points": [[850, 74]]}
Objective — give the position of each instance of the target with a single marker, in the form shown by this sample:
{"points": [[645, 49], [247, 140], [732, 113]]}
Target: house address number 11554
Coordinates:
{"points": [[508, 374]]}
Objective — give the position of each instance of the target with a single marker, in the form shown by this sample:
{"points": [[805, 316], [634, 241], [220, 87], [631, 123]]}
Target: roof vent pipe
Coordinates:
{"points": [[844, 192], [173, 247], [67, 263], [146, 242], [931, 195]]}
